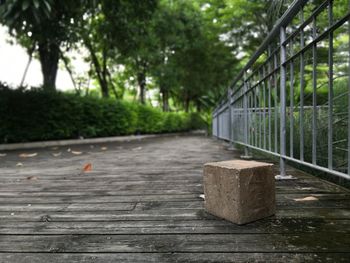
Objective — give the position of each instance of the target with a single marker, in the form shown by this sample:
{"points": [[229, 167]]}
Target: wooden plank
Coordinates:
{"points": [[164, 214], [175, 257], [273, 226], [140, 205], [90, 198], [97, 198], [97, 192], [330, 242]]}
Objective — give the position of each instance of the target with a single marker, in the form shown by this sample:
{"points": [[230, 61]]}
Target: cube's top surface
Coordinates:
{"points": [[238, 164]]}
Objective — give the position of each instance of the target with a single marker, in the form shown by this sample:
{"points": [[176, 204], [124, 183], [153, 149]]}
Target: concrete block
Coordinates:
{"points": [[239, 191]]}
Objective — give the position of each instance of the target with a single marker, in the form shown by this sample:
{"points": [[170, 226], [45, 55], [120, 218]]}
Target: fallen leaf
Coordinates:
{"points": [[76, 152], [3, 154], [32, 178], [137, 149], [104, 148], [19, 164], [27, 155], [308, 198], [57, 154], [87, 167]]}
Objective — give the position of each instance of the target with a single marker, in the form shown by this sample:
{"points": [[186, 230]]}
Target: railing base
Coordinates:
{"points": [[246, 157], [285, 177]]}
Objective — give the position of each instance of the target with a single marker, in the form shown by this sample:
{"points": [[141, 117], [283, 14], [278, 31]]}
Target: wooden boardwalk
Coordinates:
{"points": [[141, 203]]}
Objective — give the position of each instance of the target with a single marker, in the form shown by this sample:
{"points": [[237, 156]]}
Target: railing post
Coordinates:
{"points": [[245, 114], [213, 123], [348, 172], [230, 126], [283, 103], [218, 123]]}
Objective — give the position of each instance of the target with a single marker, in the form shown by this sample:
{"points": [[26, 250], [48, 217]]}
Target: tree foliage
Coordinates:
{"points": [[48, 25]]}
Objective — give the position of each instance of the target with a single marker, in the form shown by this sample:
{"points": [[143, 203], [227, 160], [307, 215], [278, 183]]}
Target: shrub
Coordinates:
{"points": [[34, 115]]}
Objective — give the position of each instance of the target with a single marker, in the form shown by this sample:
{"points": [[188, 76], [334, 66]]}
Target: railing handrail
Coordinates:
{"points": [[282, 21]]}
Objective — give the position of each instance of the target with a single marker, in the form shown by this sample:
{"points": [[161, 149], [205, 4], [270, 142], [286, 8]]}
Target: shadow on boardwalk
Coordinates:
{"points": [[140, 203]]}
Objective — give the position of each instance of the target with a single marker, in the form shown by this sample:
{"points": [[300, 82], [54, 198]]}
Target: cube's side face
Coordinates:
{"points": [[257, 196], [221, 191]]}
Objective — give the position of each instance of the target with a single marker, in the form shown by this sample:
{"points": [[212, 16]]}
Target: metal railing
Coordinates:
{"points": [[292, 98]]}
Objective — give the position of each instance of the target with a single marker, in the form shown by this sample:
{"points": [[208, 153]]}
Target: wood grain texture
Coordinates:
{"points": [[141, 203]]}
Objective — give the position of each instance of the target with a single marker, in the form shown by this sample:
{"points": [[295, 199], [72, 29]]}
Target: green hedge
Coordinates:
{"points": [[35, 115]]}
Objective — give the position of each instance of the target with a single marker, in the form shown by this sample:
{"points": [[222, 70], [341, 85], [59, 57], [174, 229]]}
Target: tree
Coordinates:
{"points": [[112, 34], [196, 61], [128, 23], [47, 25]]}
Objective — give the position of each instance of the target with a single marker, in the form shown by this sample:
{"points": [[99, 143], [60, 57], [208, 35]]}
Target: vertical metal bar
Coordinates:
{"points": [[349, 97], [275, 103], [245, 106], [291, 126], [269, 99], [302, 86], [260, 111], [241, 124], [215, 132], [218, 124], [250, 115], [314, 92], [230, 126], [283, 103], [256, 123], [264, 107], [330, 88]]}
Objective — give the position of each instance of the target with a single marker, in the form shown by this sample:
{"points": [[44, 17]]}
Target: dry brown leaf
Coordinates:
{"points": [[57, 154], [33, 178], [104, 148], [27, 155], [308, 198], [87, 167], [76, 152], [3, 154]]}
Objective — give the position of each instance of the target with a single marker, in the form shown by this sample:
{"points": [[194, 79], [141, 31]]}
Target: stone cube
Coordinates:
{"points": [[239, 191]]}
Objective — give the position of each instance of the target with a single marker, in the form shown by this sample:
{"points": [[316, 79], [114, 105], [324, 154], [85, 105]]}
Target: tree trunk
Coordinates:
{"points": [[141, 79], [198, 106], [165, 99], [49, 56], [187, 104], [101, 73], [30, 53]]}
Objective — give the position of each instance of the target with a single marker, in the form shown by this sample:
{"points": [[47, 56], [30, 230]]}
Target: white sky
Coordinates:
{"points": [[13, 60]]}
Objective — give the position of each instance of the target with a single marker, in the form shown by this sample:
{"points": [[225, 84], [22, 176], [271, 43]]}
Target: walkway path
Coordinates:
{"points": [[141, 203]]}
